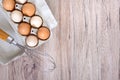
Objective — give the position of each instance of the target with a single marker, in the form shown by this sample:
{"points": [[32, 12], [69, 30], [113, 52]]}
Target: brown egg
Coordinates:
{"points": [[28, 9], [24, 28], [43, 33], [9, 5]]}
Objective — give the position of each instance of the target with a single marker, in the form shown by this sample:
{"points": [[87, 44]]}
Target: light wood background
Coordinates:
{"points": [[85, 44]]}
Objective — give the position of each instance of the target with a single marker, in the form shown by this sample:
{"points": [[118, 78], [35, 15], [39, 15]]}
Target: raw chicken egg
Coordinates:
{"points": [[32, 41], [9, 5], [36, 21], [16, 16], [43, 33], [28, 9], [24, 28], [21, 1]]}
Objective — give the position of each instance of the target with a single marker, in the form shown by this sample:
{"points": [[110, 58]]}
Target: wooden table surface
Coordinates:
{"points": [[85, 44]]}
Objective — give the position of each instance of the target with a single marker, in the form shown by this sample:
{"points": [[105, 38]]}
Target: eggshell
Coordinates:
{"points": [[32, 41], [28, 9], [8, 5], [43, 33], [16, 16], [36, 21], [24, 28], [21, 1]]}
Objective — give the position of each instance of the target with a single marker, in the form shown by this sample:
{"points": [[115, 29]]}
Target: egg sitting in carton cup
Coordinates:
{"points": [[24, 28]]}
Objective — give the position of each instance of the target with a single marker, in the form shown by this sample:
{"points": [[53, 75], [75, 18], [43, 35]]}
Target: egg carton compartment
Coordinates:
{"points": [[42, 10]]}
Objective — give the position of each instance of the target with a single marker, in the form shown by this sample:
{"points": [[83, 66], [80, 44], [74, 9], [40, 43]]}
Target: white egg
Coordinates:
{"points": [[16, 16], [36, 21], [32, 41], [21, 1]]}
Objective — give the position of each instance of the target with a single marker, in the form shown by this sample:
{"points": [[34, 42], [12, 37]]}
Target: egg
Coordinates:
{"points": [[16, 16], [21, 1], [36, 21], [32, 41], [24, 28], [43, 33], [8, 5], [28, 9]]}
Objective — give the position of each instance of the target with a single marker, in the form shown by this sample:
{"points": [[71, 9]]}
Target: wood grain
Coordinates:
{"points": [[85, 45]]}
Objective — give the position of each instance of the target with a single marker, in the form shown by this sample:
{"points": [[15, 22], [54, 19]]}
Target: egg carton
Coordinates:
{"points": [[9, 52]]}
